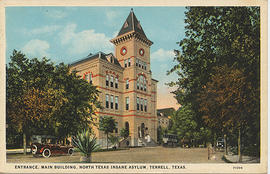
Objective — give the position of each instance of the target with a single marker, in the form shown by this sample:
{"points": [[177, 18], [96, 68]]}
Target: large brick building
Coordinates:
{"points": [[128, 92]]}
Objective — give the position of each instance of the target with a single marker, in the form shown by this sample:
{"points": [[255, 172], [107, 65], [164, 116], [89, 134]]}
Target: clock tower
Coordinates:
{"points": [[132, 50]]}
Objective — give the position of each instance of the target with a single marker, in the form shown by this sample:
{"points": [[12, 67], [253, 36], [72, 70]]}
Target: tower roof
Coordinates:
{"points": [[131, 28], [131, 24]]}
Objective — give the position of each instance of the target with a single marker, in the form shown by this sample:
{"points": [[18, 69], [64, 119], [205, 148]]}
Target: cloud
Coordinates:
{"points": [[162, 55], [36, 48], [45, 29], [84, 41], [55, 14], [111, 15]]}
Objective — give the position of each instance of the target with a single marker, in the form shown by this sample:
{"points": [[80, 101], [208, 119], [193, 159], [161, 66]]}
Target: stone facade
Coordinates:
{"points": [[128, 92]]}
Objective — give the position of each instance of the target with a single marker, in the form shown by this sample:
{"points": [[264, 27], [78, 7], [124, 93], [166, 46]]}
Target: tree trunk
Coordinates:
{"points": [[24, 143], [239, 146], [225, 144], [107, 141]]}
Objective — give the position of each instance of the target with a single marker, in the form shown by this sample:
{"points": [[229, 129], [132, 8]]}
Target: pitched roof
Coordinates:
{"points": [[99, 55], [131, 24], [166, 111]]}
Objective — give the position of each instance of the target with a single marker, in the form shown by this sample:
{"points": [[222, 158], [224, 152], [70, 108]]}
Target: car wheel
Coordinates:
{"points": [[70, 151], [34, 149], [46, 153]]}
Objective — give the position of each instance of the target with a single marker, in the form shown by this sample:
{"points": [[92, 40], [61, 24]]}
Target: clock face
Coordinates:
{"points": [[123, 51], [141, 52]]}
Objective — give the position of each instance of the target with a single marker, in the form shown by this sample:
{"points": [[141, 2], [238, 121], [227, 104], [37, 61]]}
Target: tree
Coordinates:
{"points": [[78, 112], [114, 140], [215, 37], [186, 128], [30, 99], [47, 99], [107, 124], [124, 132]]}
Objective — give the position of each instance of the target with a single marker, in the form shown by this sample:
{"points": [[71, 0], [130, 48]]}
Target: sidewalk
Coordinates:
{"points": [[245, 159], [13, 151]]}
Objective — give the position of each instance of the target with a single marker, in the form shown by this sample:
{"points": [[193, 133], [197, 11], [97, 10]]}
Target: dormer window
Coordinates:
{"points": [[126, 24], [111, 59]]}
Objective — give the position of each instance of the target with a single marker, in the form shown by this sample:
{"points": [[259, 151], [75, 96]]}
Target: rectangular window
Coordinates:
{"points": [[111, 81], [145, 105], [138, 103], [90, 78], [107, 101], [137, 62], [107, 80], [127, 84], [125, 63], [145, 64], [111, 101], [127, 103], [116, 102], [129, 62], [141, 104], [116, 82], [138, 83], [142, 65]]}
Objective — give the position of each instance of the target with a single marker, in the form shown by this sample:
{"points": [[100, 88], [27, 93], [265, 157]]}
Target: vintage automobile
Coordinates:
{"points": [[49, 145], [170, 140], [220, 142]]}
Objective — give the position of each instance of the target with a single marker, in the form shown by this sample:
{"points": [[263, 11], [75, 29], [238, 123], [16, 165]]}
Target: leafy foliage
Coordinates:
{"points": [[226, 38], [85, 142], [114, 140], [107, 124], [124, 132], [47, 99]]}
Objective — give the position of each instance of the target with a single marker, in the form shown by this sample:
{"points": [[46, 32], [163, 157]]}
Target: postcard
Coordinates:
{"points": [[133, 87]]}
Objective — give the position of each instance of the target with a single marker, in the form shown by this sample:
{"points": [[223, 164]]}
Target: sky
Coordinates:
{"points": [[67, 34]]}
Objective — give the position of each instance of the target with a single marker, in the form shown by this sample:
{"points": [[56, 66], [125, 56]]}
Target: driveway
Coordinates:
{"points": [[133, 155]]}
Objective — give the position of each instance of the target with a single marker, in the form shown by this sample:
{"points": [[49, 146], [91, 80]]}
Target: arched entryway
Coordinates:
{"points": [[142, 129]]}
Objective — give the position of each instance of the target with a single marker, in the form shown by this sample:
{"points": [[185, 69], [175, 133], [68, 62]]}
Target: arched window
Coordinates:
{"points": [[129, 62]]}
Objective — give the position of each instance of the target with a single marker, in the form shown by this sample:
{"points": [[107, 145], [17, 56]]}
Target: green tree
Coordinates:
{"points": [[31, 96], [107, 124], [124, 132], [78, 112], [114, 140], [218, 36], [47, 99]]}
